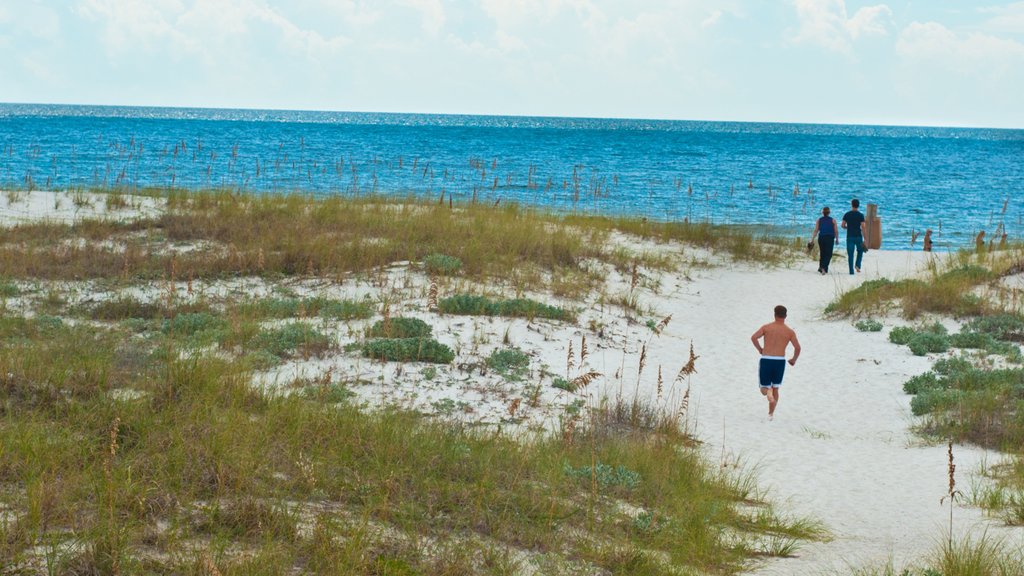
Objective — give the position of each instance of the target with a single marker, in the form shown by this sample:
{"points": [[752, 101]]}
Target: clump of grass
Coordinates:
{"points": [[518, 307], [400, 327], [408, 350], [512, 363], [944, 293], [442, 264], [123, 308]]}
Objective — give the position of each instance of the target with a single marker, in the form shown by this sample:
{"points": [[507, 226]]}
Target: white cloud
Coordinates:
{"points": [[869, 21], [207, 28], [825, 23], [1009, 18], [432, 12], [712, 19], [973, 54]]}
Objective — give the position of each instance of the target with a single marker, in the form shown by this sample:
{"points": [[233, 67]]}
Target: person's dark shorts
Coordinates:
{"points": [[770, 371]]}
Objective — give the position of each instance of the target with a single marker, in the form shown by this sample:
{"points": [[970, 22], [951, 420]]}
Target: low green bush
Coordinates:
{"points": [[400, 327], [926, 381], [517, 308], [511, 363], [901, 335], [288, 340], [869, 325], [928, 342], [954, 365], [442, 264], [282, 308], [1007, 327], [9, 289], [931, 400], [192, 323], [408, 350], [605, 475]]}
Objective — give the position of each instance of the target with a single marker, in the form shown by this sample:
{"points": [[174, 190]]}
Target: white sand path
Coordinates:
{"points": [[839, 449]]}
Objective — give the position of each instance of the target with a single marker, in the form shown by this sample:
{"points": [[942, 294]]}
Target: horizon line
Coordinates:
{"points": [[881, 124]]}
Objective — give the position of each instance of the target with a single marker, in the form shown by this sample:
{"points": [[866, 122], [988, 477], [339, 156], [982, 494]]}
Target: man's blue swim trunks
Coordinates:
{"points": [[771, 370]]}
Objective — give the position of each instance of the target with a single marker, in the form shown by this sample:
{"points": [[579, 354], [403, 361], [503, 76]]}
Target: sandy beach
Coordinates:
{"points": [[840, 449]]}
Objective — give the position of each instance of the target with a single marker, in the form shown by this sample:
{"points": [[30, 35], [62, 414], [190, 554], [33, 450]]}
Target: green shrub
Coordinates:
{"points": [[563, 384], [972, 340], [442, 264], [949, 366], [408, 350], [509, 362], [282, 308], [285, 341], [901, 334], [869, 325], [1008, 327], [191, 323], [928, 401], [924, 342], [9, 289], [606, 475], [518, 307], [400, 327], [926, 381], [347, 309]]}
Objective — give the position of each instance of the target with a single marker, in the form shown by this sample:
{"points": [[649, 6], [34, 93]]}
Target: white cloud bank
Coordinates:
{"points": [[825, 23]]}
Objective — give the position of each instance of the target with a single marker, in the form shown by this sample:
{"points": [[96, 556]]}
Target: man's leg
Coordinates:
{"points": [[850, 245], [860, 252], [768, 393], [773, 402]]}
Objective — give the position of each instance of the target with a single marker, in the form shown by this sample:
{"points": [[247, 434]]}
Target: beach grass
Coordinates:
{"points": [[973, 393], [134, 441]]}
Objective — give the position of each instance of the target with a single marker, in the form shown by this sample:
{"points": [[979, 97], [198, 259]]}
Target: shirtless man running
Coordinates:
{"points": [[777, 336]]}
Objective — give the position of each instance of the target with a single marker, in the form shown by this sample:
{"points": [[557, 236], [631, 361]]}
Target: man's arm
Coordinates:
{"points": [[844, 222], [796, 349], [757, 336]]}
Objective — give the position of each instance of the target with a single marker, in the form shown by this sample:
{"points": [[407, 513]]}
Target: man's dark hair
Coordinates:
{"points": [[780, 311], [855, 203]]}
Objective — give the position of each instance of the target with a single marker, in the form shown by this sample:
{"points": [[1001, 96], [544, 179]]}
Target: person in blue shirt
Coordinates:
{"points": [[827, 231], [853, 223]]}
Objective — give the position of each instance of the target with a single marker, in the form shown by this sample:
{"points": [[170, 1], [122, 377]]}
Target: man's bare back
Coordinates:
{"points": [[777, 337]]}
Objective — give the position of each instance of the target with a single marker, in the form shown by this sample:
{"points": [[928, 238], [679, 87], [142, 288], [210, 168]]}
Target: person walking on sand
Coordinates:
{"points": [[853, 223], [777, 337], [826, 230]]}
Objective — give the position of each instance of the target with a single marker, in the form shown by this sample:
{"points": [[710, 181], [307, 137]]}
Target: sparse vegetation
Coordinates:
{"points": [[518, 307], [408, 350], [134, 441]]}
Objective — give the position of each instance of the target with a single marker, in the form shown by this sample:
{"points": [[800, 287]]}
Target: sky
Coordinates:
{"points": [[903, 62]]}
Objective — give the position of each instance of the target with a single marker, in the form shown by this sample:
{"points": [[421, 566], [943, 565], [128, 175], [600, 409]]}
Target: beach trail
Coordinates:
{"points": [[839, 449]]}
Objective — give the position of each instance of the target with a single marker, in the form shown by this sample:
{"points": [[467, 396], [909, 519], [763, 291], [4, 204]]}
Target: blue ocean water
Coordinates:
{"points": [[956, 181]]}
